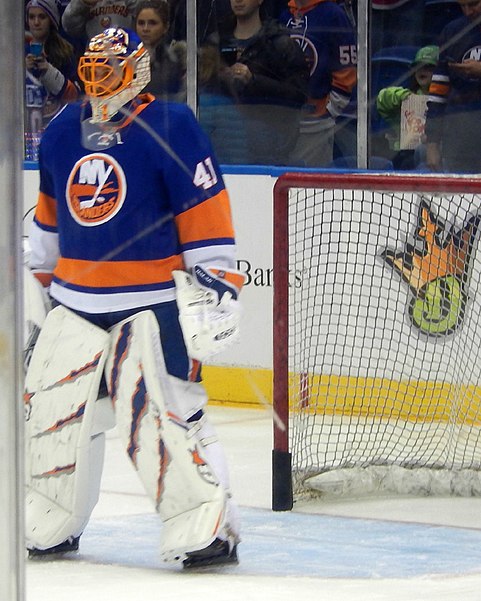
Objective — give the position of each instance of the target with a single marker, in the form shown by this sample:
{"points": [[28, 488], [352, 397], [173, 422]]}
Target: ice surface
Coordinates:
{"points": [[397, 549]]}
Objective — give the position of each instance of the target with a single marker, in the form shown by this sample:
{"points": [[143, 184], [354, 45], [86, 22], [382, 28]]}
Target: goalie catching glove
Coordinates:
{"points": [[209, 312]]}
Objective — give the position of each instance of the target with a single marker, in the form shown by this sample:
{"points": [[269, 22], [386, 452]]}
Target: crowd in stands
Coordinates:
{"points": [[277, 78]]}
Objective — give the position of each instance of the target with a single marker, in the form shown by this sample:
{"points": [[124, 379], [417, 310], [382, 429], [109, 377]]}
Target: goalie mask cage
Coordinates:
{"points": [[377, 335]]}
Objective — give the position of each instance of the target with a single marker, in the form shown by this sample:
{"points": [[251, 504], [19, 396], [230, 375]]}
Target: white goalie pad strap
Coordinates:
{"points": [[209, 313], [161, 445], [36, 307], [64, 454]]}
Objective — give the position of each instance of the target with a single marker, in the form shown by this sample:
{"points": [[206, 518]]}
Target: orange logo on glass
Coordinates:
{"points": [[95, 189]]}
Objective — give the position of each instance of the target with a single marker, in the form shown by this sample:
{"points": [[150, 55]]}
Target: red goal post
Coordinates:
{"points": [[375, 334]]}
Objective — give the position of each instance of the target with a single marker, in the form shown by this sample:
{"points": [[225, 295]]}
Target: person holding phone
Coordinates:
{"points": [[50, 70], [36, 48], [453, 125]]}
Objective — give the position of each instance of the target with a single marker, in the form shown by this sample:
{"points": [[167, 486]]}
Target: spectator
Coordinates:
{"points": [[390, 101], [396, 23], [453, 125], [219, 115], [77, 43], [275, 7], [326, 35], [209, 13], [50, 71], [264, 71], [166, 65], [437, 14], [86, 18]]}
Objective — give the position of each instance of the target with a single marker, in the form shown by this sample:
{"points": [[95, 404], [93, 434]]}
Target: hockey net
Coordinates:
{"points": [[377, 335]]}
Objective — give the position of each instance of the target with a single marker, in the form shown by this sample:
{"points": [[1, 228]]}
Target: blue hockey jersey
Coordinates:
{"points": [[459, 41], [326, 36], [113, 224]]}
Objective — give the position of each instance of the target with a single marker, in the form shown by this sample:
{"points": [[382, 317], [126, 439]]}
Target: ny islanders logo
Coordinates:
{"points": [[436, 268], [95, 189]]}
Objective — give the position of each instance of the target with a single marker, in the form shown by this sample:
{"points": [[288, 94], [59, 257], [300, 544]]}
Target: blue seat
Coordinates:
{"points": [[437, 14], [391, 67]]}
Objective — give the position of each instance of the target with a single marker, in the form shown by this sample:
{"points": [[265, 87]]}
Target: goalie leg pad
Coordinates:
{"points": [[161, 444], [36, 307], [215, 455], [189, 398], [64, 426]]}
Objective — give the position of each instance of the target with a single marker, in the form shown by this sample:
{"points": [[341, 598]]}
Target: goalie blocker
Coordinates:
{"points": [[161, 424], [209, 312]]}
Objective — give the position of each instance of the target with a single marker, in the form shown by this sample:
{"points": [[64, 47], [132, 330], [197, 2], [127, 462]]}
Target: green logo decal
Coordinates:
{"points": [[436, 268]]}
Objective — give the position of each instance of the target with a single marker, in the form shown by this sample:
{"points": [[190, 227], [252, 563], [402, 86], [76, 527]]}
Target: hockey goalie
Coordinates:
{"points": [[133, 237]]}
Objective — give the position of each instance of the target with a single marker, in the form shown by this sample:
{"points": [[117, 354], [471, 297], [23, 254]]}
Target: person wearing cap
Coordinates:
{"points": [[389, 102], [50, 70], [453, 124]]}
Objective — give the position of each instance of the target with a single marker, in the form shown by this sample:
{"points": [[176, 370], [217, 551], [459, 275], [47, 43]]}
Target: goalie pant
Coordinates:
{"points": [[189, 401]]}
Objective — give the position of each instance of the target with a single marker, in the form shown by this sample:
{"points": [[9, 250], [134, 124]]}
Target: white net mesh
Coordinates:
{"points": [[383, 340]]}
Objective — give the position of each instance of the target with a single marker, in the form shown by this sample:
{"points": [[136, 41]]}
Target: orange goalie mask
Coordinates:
{"points": [[114, 69]]}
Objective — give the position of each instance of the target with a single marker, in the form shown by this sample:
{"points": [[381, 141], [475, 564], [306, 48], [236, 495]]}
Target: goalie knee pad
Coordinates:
{"points": [[188, 398], [64, 428]]}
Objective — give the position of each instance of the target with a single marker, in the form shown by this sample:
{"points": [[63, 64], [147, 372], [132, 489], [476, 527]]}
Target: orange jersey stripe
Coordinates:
{"points": [[145, 99], [117, 273], [194, 370], [46, 211], [71, 92], [320, 104], [206, 221], [44, 277], [344, 79], [236, 279], [439, 89]]}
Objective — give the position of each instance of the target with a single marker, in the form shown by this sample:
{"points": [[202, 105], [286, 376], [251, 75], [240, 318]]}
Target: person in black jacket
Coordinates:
{"points": [[264, 71]]}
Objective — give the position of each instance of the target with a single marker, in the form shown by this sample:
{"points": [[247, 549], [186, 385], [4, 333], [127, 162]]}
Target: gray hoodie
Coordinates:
{"points": [[82, 21]]}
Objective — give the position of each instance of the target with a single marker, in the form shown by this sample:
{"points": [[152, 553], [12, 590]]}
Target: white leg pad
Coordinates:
{"points": [[64, 426], [190, 398], [35, 308], [163, 448]]}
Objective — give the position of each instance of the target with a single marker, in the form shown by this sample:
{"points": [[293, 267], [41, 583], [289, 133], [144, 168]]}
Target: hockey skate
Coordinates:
{"points": [[218, 553], [68, 546]]}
